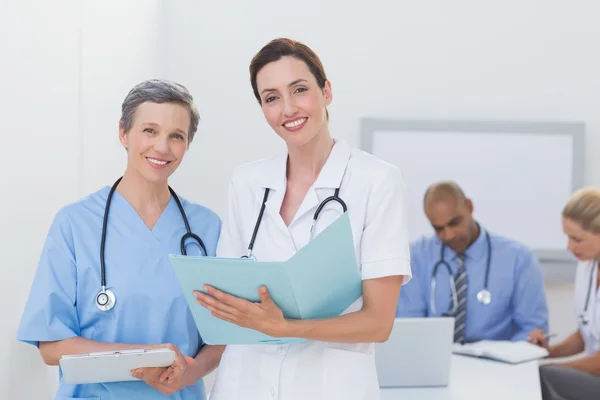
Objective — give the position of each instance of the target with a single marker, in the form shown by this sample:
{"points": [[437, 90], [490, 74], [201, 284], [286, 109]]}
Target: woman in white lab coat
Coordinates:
{"points": [[579, 379], [337, 362]]}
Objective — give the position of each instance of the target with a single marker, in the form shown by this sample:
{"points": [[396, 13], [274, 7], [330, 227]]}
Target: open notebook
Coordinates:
{"points": [[503, 350]]}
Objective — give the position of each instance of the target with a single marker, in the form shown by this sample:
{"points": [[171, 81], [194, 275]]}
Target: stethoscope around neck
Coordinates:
{"points": [[584, 318], [316, 215], [106, 299], [483, 296]]}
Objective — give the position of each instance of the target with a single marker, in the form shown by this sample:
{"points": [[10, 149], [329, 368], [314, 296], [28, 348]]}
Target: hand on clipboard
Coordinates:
{"points": [[151, 362], [168, 380]]}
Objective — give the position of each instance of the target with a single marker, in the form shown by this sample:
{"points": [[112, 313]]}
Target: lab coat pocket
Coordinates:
{"points": [[349, 375]]}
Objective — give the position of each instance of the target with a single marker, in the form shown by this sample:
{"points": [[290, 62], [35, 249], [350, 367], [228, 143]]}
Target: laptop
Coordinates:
{"points": [[417, 354]]}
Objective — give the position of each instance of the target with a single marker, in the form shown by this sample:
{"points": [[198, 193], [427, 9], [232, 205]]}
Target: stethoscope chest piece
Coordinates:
{"points": [[484, 296], [105, 300]]}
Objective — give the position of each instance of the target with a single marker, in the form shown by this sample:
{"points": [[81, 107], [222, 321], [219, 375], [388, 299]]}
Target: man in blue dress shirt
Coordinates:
{"points": [[515, 301]]}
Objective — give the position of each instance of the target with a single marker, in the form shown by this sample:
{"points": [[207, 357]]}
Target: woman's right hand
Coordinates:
{"points": [[152, 375], [538, 337]]}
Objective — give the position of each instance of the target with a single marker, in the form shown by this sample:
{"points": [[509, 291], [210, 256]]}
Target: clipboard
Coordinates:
{"points": [[112, 366], [321, 280]]}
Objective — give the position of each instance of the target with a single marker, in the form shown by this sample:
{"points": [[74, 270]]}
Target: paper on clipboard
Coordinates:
{"points": [[112, 366]]}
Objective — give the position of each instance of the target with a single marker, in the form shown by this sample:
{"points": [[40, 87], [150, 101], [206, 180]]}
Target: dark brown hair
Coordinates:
{"points": [[282, 47]]}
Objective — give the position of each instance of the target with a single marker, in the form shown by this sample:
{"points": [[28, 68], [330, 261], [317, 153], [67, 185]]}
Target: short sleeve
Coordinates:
{"points": [[50, 312], [384, 243], [230, 242]]}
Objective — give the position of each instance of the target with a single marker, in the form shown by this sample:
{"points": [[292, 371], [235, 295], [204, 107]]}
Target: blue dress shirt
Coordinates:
{"points": [[515, 281]]}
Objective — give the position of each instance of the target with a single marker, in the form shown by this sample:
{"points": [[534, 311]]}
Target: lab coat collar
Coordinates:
{"points": [[587, 264], [275, 176], [331, 175], [477, 250], [333, 171]]}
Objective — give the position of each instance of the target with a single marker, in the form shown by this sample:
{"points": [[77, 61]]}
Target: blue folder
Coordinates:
{"points": [[320, 281]]}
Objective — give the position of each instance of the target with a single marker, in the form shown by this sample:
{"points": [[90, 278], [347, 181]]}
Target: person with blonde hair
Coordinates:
{"points": [[580, 378]]}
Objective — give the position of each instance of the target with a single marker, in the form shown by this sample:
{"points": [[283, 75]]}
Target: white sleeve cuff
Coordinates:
{"points": [[391, 267]]}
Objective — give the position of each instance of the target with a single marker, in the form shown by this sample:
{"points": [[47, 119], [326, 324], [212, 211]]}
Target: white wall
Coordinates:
{"points": [[466, 59], [39, 107], [65, 67], [122, 46]]}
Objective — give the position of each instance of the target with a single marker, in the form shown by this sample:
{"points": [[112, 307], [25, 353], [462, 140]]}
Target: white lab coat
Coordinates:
{"points": [[590, 332], [374, 193]]}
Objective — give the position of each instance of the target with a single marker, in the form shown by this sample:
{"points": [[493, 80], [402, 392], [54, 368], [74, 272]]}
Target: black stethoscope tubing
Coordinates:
{"points": [[335, 197], [484, 295], [106, 302], [583, 316]]}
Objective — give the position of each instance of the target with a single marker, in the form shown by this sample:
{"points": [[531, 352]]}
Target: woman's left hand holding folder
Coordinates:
{"points": [[264, 316]]}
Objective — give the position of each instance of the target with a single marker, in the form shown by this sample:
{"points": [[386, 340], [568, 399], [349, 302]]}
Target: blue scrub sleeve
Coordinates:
{"points": [[50, 313]]}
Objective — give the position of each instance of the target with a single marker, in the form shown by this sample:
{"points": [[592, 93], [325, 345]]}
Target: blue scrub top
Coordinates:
{"points": [[150, 306], [515, 281]]}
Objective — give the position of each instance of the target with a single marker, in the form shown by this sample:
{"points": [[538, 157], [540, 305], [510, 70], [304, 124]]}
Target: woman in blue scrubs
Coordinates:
{"points": [[144, 226]]}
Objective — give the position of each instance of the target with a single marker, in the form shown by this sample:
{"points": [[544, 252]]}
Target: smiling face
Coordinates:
{"points": [[293, 103], [157, 140]]}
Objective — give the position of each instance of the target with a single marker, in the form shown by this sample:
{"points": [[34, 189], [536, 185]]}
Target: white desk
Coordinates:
{"points": [[475, 379]]}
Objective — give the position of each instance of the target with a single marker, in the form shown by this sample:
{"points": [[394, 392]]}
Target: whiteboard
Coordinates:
{"points": [[518, 175]]}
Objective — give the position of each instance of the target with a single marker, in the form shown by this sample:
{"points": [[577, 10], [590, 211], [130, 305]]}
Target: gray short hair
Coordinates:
{"points": [[159, 91]]}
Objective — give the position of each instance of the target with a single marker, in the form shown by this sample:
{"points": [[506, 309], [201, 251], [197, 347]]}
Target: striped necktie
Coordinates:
{"points": [[460, 314]]}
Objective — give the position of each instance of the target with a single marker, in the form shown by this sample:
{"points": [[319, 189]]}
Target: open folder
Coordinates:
{"points": [[320, 281], [502, 350]]}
